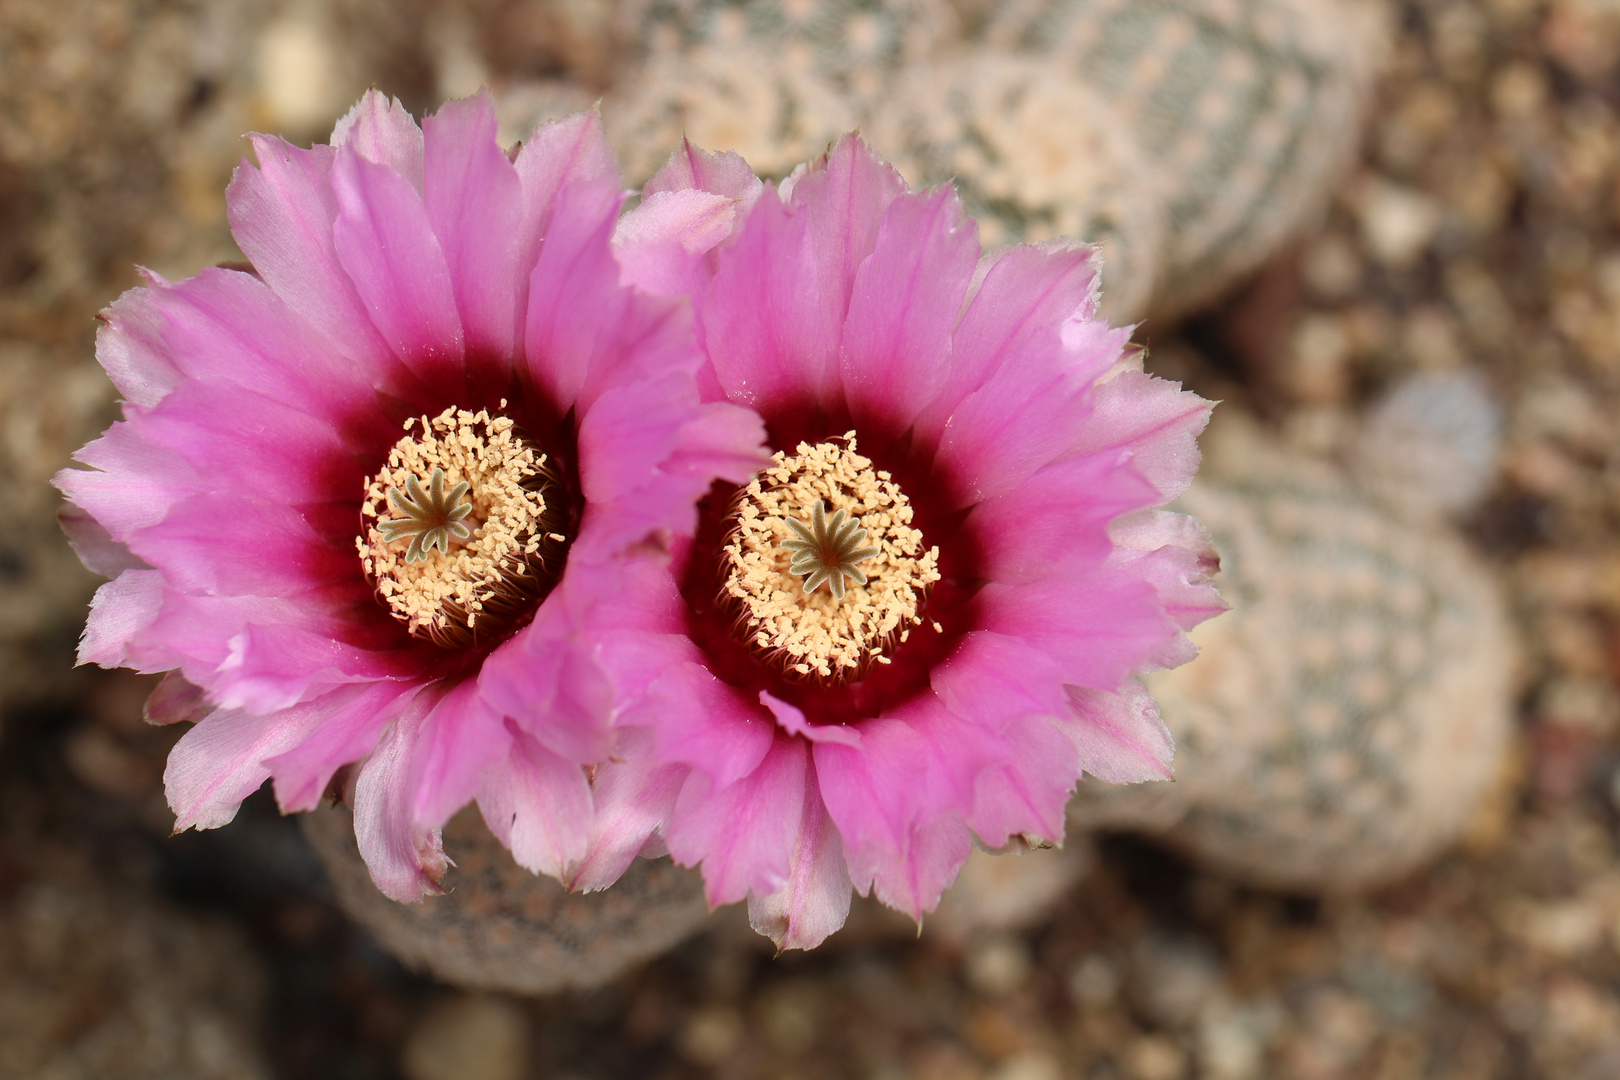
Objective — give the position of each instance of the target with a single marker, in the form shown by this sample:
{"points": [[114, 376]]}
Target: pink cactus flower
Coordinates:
{"points": [[921, 623], [362, 495]]}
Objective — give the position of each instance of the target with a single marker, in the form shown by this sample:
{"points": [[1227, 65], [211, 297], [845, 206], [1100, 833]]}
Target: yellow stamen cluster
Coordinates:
{"points": [[815, 633], [473, 584]]}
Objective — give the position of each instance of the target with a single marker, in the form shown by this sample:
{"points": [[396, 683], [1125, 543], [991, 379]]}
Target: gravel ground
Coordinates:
{"points": [[1481, 227]]}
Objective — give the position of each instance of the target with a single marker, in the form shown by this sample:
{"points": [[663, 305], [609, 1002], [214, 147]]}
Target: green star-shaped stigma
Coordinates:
{"points": [[827, 550], [431, 518]]}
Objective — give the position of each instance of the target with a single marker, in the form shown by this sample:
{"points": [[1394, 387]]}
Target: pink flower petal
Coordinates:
{"points": [[474, 201], [814, 901], [1026, 797], [1024, 416], [538, 805], [634, 797], [303, 773], [221, 543], [460, 738], [386, 245], [1097, 626], [1019, 294], [661, 242], [706, 724], [121, 609], [744, 832], [1058, 516], [380, 129], [221, 760], [722, 173], [406, 859], [281, 214], [548, 677], [770, 332], [791, 720], [129, 345], [906, 299], [1118, 735], [1157, 420]]}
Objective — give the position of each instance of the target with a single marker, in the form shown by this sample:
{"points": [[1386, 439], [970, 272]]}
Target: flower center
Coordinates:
{"points": [[456, 533], [822, 564]]}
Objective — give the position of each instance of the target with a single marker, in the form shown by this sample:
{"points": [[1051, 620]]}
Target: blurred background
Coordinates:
{"points": [[1361, 225]]}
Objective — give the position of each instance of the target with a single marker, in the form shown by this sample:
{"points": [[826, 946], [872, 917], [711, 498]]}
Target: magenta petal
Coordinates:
{"points": [[992, 680], [1023, 417], [1098, 626], [149, 479], [94, 545], [1019, 293], [743, 832], [223, 544], [905, 302], [538, 805], [1118, 735], [814, 901], [791, 720], [559, 153], [1156, 420], [458, 739], [660, 243], [174, 700], [271, 667], [475, 203], [706, 724], [129, 345], [1026, 796], [634, 797], [892, 797], [281, 214], [386, 245], [570, 329], [722, 173], [1058, 516], [379, 129], [548, 678], [770, 331], [221, 760], [303, 773], [844, 197], [121, 609], [230, 327], [406, 859]]}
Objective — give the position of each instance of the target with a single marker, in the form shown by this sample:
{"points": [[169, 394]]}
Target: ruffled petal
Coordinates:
{"points": [[743, 833], [1118, 735], [129, 346], [814, 901], [474, 202], [538, 805], [548, 679], [406, 859], [905, 302], [458, 740], [303, 773], [222, 760], [1026, 796], [380, 129], [706, 724], [660, 244], [844, 197], [1156, 420], [559, 153], [723, 173], [120, 610], [634, 796], [888, 798], [770, 334]]}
